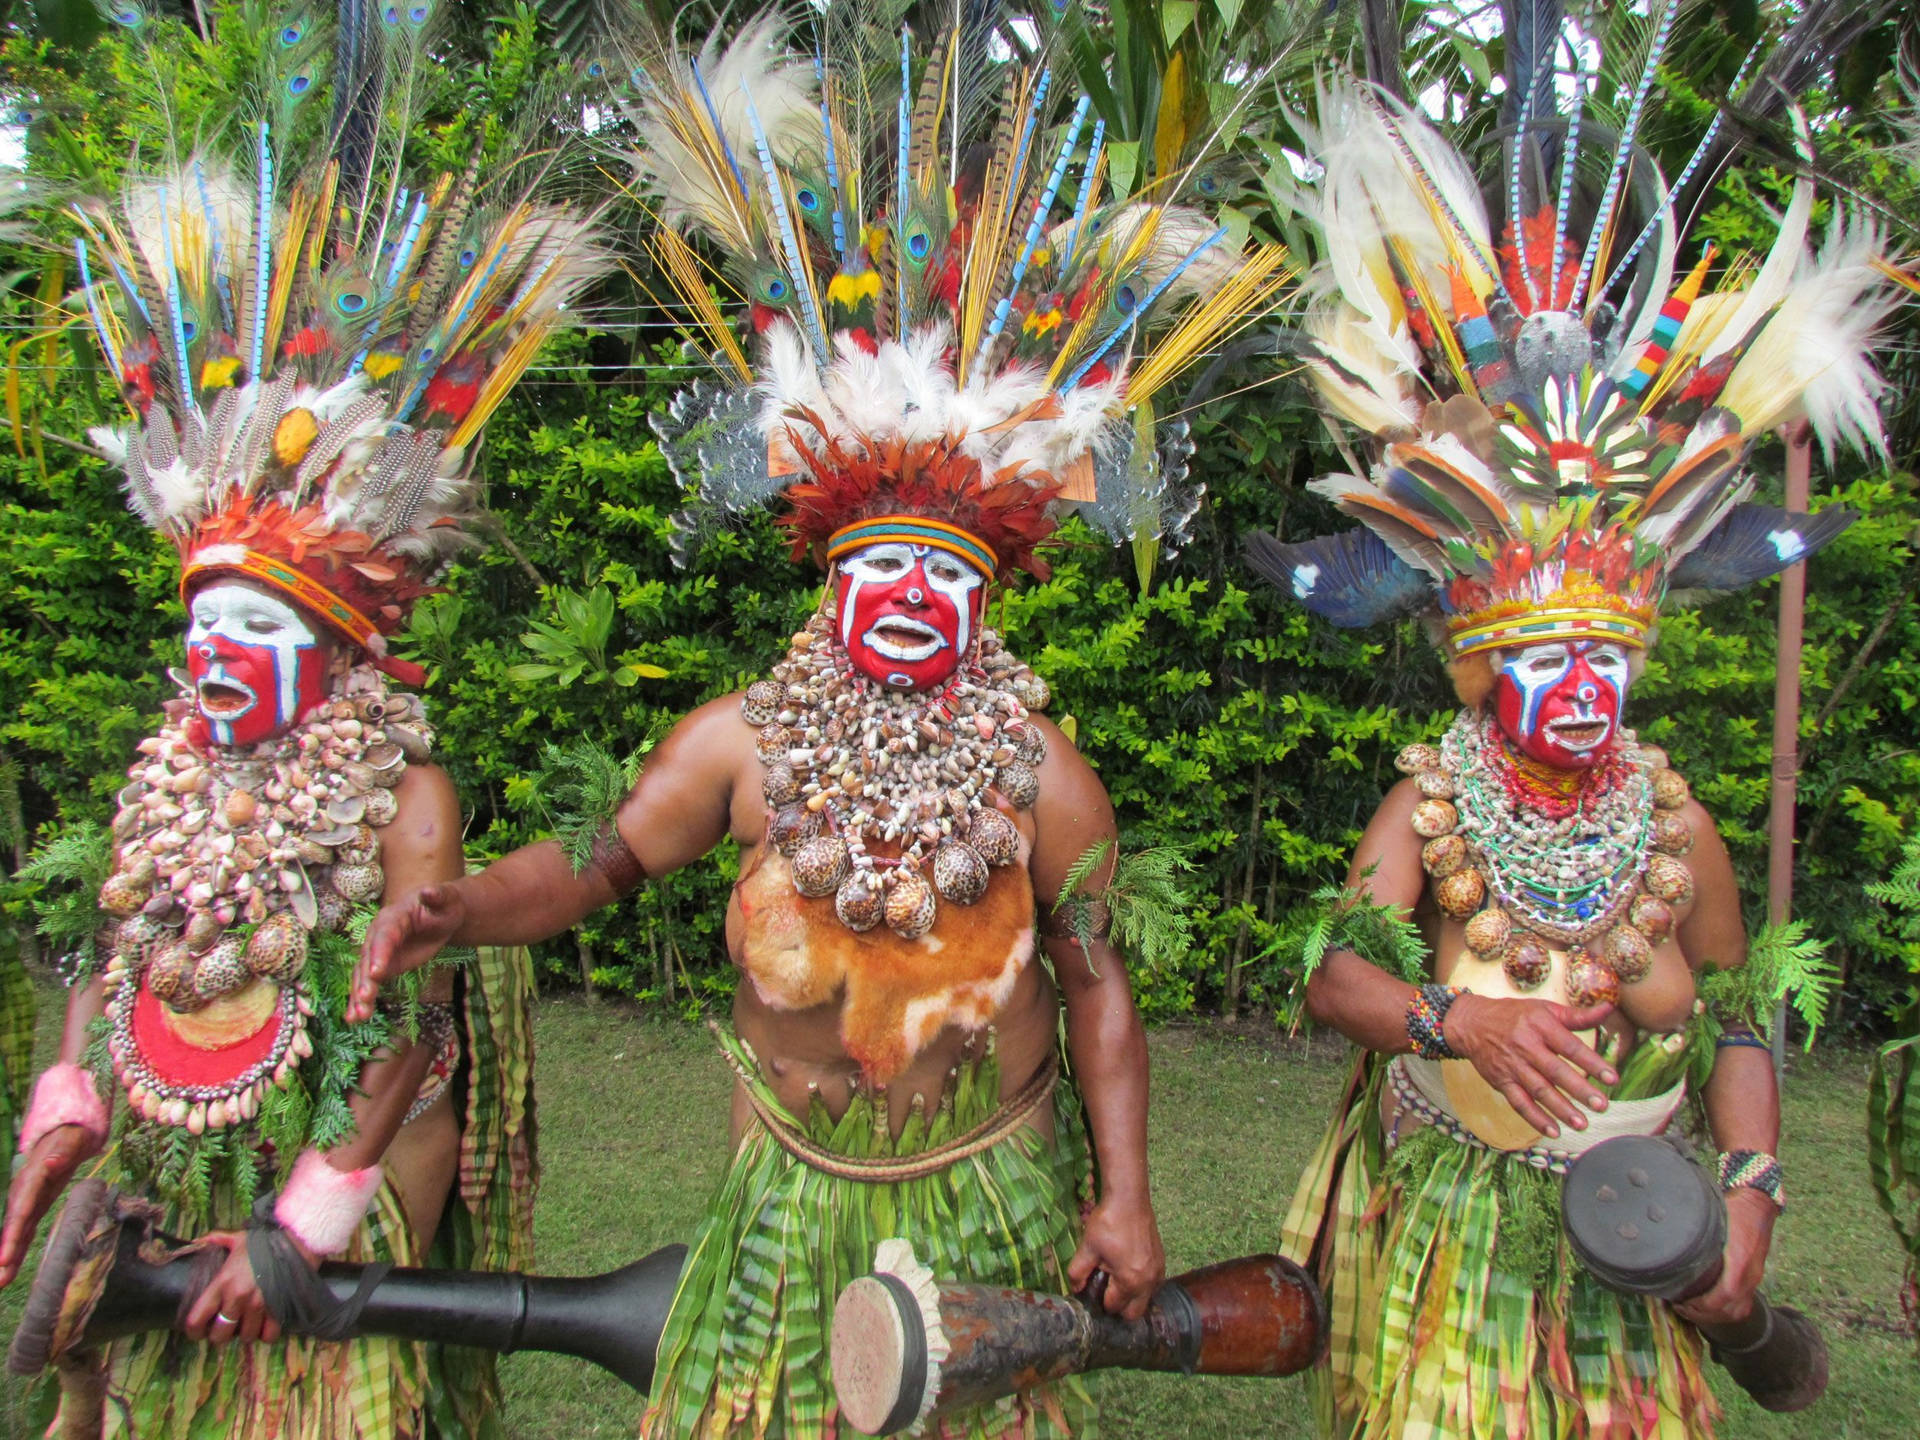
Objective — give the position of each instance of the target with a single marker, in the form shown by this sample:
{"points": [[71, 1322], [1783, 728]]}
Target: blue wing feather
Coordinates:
{"points": [[1756, 541], [1352, 578]]}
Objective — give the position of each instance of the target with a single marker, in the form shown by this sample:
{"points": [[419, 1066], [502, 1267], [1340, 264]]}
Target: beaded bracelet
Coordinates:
{"points": [[1752, 1170], [1427, 1020], [1740, 1037]]}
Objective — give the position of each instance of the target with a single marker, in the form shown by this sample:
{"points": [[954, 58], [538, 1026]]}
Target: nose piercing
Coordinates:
{"points": [[206, 652], [915, 596], [1588, 694]]}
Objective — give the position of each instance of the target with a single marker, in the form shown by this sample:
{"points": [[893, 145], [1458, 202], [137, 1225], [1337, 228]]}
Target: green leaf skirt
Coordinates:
{"points": [[745, 1351], [1456, 1308]]}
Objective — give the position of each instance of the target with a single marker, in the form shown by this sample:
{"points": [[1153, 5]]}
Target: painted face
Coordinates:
{"points": [[255, 664], [1560, 704], [908, 613]]}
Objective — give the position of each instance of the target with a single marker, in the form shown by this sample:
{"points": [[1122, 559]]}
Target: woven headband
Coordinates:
{"points": [[1543, 626], [316, 599], [913, 530]]}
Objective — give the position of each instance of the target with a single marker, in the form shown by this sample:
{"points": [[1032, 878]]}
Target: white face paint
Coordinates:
{"points": [[245, 652], [907, 612], [1561, 702]]}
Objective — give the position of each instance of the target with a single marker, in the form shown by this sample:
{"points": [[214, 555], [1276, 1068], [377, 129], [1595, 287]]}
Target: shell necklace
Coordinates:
{"points": [[226, 858], [1596, 872], [851, 764]]}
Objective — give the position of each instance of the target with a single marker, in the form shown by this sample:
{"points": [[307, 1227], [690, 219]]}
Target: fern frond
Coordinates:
{"points": [[577, 788], [1782, 964], [80, 856], [1148, 911]]}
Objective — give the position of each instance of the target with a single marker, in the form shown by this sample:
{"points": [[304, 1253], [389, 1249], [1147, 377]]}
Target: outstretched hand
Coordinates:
{"points": [[1527, 1050], [1122, 1242], [405, 935], [44, 1173]]}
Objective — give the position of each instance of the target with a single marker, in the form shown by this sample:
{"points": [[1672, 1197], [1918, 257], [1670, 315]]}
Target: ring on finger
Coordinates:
{"points": [[223, 1318]]}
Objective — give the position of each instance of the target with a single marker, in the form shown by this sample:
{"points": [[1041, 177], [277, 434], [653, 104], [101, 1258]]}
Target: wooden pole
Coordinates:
{"points": [[1786, 719]]}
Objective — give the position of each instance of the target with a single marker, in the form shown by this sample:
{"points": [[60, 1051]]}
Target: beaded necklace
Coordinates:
{"points": [[1593, 868], [1567, 876], [851, 764]]}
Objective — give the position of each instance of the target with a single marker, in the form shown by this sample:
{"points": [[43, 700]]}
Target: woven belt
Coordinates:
{"points": [[1418, 1089], [984, 1136]]}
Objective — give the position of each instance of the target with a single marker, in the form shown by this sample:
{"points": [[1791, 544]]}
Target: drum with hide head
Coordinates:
{"points": [[1645, 1219]]}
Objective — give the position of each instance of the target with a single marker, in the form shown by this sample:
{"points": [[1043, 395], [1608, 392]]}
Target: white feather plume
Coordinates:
{"points": [[693, 188], [1813, 358]]}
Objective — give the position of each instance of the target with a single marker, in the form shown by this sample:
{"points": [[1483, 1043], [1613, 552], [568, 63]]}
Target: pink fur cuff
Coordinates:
{"points": [[64, 1095], [323, 1206]]}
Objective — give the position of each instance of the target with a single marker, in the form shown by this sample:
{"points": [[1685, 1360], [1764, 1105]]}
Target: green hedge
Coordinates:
{"points": [[1221, 718]]}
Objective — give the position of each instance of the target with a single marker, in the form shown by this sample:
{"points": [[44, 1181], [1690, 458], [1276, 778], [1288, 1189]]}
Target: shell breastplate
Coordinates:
{"points": [[1565, 903], [226, 863]]}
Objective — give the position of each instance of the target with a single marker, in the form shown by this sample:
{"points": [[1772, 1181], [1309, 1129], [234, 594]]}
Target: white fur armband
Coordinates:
{"points": [[64, 1095], [322, 1206]]}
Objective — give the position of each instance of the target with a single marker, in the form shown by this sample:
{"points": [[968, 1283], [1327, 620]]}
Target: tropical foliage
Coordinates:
{"points": [[1225, 723]]}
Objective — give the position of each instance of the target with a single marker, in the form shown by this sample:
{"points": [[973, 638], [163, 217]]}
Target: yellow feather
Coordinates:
{"points": [[1249, 293]]}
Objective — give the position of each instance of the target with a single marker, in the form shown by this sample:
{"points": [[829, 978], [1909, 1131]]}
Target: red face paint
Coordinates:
{"points": [[1559, 704], [909, 614], [255, 664]]}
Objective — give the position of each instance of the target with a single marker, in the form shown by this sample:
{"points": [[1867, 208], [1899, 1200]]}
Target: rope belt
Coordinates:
{"points": [[984, 1136]]}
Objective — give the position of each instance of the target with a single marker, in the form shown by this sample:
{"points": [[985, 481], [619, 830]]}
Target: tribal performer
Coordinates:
{"points": [[308, 353], [938, 358], [1562, 429]]}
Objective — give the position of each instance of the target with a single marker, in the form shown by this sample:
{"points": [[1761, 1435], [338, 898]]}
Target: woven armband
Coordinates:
{"points": [[1427, 1021], [321, 1206], [1752, 1170], [64, 1095], [614, 858]]}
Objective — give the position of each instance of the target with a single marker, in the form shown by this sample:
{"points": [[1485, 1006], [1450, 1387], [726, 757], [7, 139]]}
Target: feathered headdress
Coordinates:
{"points": [[308, 350], [1562, 426], [947, 320]]}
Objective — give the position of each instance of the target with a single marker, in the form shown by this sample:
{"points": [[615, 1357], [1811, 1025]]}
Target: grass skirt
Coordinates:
{"points": [[745, 1352], [1456, 1309]]}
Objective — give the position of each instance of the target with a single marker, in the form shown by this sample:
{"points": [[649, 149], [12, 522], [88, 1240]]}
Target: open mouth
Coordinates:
{"points": [[1579, 734], [225, 699], [895, 637]]}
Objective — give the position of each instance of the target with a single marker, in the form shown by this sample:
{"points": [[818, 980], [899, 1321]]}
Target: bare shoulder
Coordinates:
{"points": [[716, 728], [422, 843], [1386, 863], [1072, 813], [426, 793]]}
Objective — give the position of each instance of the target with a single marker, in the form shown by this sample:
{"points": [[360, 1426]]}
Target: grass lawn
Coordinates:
{"points": [[633, 1137]]}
